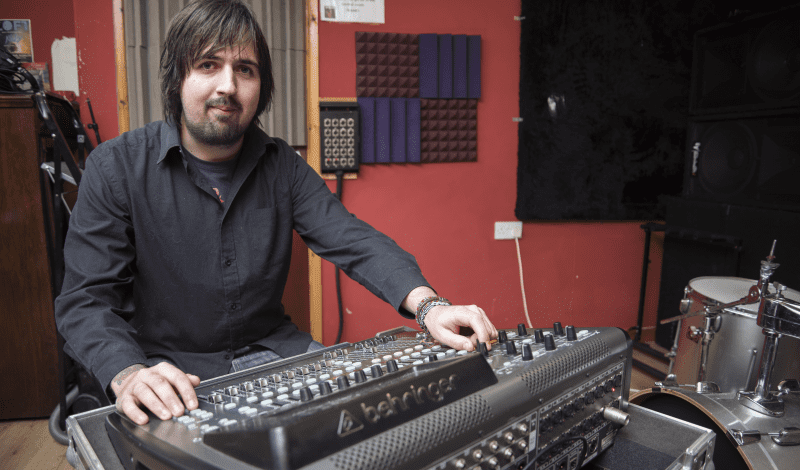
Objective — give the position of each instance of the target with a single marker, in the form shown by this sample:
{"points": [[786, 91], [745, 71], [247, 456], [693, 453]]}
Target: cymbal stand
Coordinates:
{"points": [[760, 399]]}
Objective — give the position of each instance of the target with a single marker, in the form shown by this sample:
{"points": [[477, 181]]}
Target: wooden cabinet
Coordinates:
{"points": [[28, 345]]}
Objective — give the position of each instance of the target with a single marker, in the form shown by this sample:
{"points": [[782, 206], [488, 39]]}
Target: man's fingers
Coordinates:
{"points": [[165, 380]]}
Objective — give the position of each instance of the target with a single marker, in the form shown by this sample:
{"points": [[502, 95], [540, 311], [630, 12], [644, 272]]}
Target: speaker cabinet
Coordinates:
{"points": [[748, 66], [750, 161]]}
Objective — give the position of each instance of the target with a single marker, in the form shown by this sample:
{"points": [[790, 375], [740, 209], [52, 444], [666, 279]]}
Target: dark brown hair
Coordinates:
{"points": [[216, 24]]}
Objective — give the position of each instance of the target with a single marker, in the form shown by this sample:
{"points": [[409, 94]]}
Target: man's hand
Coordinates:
{"points": [[443, 321], [154, 387]]}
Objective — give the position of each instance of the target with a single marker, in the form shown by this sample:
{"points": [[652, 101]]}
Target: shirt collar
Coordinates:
{"points": [[255, 141]]}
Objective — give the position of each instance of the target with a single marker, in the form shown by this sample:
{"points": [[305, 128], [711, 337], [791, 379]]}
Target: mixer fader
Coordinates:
{"points": [[546, 399]]}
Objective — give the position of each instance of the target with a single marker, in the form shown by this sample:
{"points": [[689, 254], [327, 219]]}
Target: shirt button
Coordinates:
{"points": [[233, 307], [227, 357], [228, 262]]}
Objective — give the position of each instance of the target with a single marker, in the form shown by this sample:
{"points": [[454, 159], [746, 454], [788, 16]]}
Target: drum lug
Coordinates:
{"points": [[707, 387], [768, 404], [694, 333], [788, 386]]}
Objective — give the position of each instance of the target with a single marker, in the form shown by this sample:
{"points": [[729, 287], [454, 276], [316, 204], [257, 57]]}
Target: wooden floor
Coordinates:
{"points": [[27, 444]]}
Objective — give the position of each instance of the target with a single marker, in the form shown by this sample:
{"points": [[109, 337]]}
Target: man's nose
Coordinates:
{"points": [[226, 83]]}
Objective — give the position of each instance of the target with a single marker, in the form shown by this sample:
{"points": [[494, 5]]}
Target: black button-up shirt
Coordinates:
{"points": [[157, 266]]}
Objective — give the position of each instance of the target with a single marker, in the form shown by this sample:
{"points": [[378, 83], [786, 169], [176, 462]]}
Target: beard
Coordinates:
{"points": [[217, 130]]}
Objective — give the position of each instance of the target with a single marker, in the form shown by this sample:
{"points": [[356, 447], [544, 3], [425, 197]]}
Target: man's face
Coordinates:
{"points": [[220, 96]]}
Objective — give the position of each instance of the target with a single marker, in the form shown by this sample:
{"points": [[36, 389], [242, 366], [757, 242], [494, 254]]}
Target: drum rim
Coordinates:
{"points": [[738, 310]]}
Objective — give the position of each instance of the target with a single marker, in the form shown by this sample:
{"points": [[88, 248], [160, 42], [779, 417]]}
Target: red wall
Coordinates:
{"points": [[50, 20], [583, 273]]}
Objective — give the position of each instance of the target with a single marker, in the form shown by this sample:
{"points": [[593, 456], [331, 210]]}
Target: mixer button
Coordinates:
{"points": [[306, 394], [511, 348], [230, 406], [297, 385], [417, 363], [283, 390], [376, 361], [462, 352], [418, 347], [450, 352], [252, 399], [386, 358], [342, 382], [538, 336], [311, 381], [571, 336]]}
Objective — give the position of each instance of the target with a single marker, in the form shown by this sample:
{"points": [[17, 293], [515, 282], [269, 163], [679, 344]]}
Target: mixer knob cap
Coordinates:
{"points": [[549, 343]]}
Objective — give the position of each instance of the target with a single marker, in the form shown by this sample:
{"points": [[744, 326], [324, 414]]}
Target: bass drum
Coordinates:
{"points": [[721, 412], [734, 355]]}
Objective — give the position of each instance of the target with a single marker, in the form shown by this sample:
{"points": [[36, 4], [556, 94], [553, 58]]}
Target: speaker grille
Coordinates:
{"points": [[404, 443], [553, 372]]}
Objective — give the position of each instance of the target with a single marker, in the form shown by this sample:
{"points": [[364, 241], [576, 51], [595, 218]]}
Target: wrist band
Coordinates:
{"points": [[425, 306]]}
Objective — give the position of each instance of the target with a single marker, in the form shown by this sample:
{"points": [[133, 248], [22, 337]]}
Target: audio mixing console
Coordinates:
{"points": [[549, 399]]}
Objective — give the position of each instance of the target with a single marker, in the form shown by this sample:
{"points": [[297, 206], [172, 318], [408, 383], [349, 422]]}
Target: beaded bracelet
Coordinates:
{"points": [[425, 306]]}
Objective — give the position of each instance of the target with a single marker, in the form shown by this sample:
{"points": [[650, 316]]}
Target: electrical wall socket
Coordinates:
{"points": [[507, 230]]}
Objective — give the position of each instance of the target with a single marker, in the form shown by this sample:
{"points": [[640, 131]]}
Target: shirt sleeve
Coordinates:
{"points": [[96, 297], [366, 255]]}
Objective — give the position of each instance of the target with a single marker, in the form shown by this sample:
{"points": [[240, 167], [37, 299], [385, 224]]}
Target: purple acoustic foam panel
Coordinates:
{"points": [[383, 130], [445, 66], [398, 129], [412, 130], [448, 130], [428, 66], [473, 67], [387, 65], [367, 129], [460, 66]]}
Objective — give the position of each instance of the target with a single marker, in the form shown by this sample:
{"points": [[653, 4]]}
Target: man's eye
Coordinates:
{"points": [[246, 70], [207, 65]]}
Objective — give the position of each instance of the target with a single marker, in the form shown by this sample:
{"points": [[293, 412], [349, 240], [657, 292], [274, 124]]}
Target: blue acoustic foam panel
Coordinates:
{"points": [[387, 65], [413, 130], [428, 66], [448, 130], [473, 67], [398, 130], [460, 66], [367, 106], [445, 66], [383, 126]]}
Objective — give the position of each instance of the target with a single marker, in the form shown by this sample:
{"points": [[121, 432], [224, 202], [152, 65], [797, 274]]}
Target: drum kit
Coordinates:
{"points": [[740, 340]]}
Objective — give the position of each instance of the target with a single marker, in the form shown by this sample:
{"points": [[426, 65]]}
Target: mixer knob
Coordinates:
{"points": [[493, 462], [557, 329], [521, 330], [391, 366], [494, 446], [578, 404], [502, 336], [549, 343], [276, 378], [342, 382], [589, 398], [527, 352], [609, 385], [232, 390], [262, 382], [538, 337], [483, 349], [618, 380], [377, 371], [511, 348], [508, 453], [325, 388], [360, 376], [460, 463], [508, 436], [522, 444], [599, 392], [571, 336], [289, 374], [306, 394], [215, 398]]}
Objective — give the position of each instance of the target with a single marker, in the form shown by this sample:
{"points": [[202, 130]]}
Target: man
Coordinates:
{"points": [[179, 243]]}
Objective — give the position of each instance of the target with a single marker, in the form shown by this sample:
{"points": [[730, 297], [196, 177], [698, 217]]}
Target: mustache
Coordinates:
{"points": [[223, 101]]}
